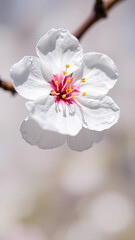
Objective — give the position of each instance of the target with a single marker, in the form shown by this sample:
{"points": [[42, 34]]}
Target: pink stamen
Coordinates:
{"points": [[61, 95]]}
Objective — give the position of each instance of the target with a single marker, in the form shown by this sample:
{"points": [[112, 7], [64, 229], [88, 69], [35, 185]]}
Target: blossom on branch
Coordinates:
{"points": [[67, 92]]}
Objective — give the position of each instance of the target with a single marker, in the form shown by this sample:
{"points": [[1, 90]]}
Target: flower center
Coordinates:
{"points": [[63, 87]]}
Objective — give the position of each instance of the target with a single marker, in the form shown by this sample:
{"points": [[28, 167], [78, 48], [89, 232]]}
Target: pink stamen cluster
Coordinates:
{"points": [[64, 88]]}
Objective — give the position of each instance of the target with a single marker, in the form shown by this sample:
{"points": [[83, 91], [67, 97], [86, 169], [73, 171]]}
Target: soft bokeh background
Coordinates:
{"points": [[61, 194]]}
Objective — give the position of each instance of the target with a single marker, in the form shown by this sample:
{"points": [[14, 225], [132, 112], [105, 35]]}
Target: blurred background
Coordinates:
{"points": [[61, 194]]}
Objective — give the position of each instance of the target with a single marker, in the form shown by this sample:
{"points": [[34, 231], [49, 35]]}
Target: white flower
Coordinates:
{"points": [[67, 91]]}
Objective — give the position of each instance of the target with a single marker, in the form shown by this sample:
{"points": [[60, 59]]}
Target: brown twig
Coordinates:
{"points": [[7, 86], [99, 11]]}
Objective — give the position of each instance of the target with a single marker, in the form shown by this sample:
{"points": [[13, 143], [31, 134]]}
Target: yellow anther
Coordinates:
{"points": [[84, 94], [68, 81], [69, 89], [64, 72], [53, 92], [64, 95], [82, 80], [73, 96], [67, 65], [56, 82]]}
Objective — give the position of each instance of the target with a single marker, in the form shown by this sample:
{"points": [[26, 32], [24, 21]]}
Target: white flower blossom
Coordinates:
{"points": [[67, 92]]}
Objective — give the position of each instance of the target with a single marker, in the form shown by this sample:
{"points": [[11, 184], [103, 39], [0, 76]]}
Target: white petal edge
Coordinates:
{"points": [[100, 74], [84, 140], [99, 114], [27, 78], [59, 118], [34, 135], [59, 47]]}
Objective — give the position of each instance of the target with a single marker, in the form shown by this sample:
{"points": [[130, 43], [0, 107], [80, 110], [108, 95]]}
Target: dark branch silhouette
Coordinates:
{"points": [[100, 11]]}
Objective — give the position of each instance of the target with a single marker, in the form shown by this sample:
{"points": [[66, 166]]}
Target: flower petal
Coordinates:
{"points": [[57, 48], [27, 78], [100, 74], [84, 139], [35, 135], [99, 114], [56, 117]]}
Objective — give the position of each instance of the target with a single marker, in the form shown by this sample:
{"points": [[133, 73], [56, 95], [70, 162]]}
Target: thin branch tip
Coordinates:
{"points": [[7, 86]]}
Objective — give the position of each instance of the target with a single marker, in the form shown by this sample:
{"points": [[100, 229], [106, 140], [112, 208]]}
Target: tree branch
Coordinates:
{"points": [[100, 11], [7, 86]]}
